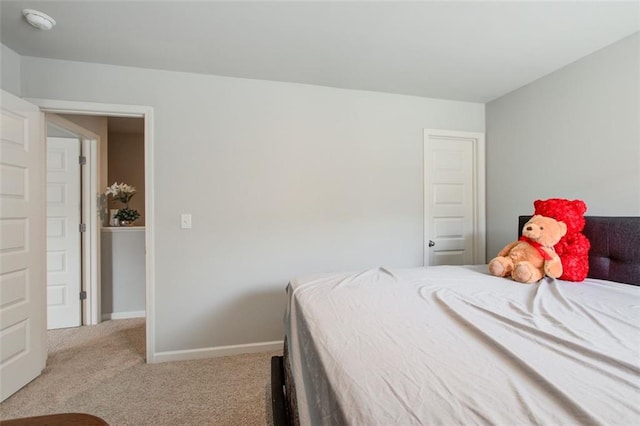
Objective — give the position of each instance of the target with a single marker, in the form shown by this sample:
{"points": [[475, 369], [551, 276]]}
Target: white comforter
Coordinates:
{"points": [[453, 345]]}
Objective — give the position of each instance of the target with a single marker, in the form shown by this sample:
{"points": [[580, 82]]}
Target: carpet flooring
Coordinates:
{"points": [[100, 370]]}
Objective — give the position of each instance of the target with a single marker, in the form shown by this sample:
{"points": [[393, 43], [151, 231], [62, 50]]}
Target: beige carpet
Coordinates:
{"points": [[100, 370]]}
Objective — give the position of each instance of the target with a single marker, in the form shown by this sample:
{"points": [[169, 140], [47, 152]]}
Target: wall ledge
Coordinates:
{"points": [[122, 228]]}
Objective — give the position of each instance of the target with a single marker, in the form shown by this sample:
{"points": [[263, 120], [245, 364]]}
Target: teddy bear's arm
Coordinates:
{"points": [[553, 267], [505, 251]]}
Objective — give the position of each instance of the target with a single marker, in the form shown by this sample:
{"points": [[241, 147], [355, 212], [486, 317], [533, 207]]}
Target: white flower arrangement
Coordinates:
{"points": [[123, 193]]}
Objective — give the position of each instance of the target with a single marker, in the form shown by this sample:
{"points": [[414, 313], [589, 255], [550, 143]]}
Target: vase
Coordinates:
{"points": [[112, 217], [127, 222]]}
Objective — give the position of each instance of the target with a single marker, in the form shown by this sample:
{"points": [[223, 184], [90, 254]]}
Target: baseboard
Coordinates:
{"points": [[217, 351], [123, 315]]}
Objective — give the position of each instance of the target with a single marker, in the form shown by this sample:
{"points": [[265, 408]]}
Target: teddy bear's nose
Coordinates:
{"points": [[529, 228]]}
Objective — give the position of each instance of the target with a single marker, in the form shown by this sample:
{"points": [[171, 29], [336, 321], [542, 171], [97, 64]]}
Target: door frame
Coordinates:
{"points": [[90, 250], [139, 111], [479, 191]]}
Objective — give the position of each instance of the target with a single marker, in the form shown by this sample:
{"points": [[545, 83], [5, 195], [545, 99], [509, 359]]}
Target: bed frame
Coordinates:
{"points": [[283, 393], [614, 256]]}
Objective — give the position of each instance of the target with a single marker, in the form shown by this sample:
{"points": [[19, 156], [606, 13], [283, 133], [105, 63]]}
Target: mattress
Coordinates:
{"points": [[454, 345]]}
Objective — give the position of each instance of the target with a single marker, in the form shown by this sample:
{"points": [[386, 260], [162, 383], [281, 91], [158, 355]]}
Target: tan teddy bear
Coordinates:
{"points": [[533, 256]]}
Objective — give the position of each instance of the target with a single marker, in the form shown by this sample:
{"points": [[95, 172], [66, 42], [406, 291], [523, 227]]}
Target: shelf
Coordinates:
{"points": [[122, 228]]}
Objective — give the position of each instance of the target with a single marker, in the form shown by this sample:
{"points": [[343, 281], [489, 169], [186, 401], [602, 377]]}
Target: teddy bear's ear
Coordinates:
{"points": [[563, 228], [580, 206]]}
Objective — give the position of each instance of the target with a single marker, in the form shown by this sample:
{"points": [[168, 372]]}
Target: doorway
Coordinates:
{"points": [[146, 113], [119, 250]]}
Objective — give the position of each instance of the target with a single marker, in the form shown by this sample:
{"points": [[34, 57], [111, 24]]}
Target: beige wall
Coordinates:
{"points": [[126, 164], [121, 159]]}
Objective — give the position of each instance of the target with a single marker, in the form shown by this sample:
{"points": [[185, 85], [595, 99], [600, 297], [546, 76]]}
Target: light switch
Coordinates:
{"points": [[185, 221]]}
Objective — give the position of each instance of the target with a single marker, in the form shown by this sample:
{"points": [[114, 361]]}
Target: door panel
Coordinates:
{"points": [[63, 236], [452, 201], [22, 245], [450, 198]]}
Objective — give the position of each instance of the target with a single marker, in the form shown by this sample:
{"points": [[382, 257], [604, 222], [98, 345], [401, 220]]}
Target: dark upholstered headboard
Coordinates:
{"points": [[615, 247]]}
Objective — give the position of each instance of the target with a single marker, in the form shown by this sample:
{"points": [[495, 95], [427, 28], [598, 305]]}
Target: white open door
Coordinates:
{"points": [[23, 348], [454, 197], [63, 233], [62, 166]]}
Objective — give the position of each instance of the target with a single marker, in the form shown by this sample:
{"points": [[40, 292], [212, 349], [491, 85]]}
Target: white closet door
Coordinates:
{"points": [[454, 225], [63, 233]]}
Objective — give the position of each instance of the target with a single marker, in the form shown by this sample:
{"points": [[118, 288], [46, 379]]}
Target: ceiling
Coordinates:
{"points": [[472, 51]]}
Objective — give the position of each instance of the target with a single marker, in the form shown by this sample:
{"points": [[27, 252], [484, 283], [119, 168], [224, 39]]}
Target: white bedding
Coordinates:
{"points": [[454, 345]]}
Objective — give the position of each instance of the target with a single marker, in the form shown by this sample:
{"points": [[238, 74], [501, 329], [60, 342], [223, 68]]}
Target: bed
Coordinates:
{"points": [[454, 345]]}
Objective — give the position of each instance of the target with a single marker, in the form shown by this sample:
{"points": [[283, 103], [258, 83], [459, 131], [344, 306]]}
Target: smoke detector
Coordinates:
{"points": [[40, 20]]}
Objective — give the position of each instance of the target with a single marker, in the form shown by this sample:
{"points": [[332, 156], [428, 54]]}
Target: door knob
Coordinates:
{"points": [[431, 243]]}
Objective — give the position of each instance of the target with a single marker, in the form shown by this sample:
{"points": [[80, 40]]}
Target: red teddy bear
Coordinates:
{"points": [[573, 248]]}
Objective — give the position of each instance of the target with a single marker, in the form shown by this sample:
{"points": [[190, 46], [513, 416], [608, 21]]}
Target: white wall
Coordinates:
{"points": [[572, 134], [281, 179], [10, 70]]}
